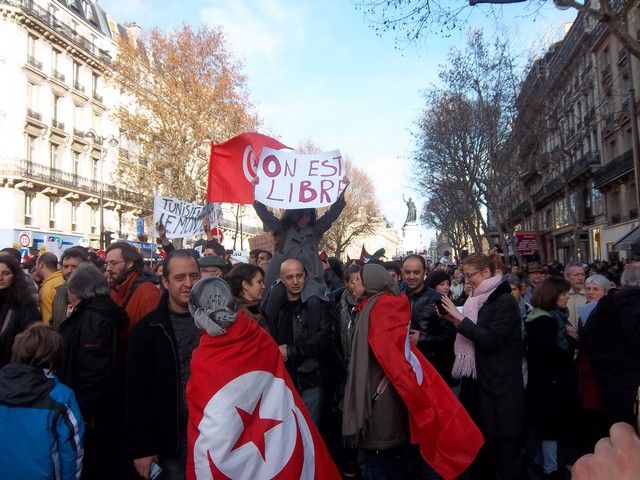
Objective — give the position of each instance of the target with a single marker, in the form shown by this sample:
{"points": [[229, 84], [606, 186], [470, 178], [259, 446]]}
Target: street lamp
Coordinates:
{"points": [[110, 141]]}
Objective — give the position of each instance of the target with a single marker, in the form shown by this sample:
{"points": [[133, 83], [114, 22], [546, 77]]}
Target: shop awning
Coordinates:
{"points": [[628, 241]]}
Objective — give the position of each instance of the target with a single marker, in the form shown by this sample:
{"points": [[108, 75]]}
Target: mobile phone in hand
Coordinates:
{"points": [[440, 308], [155, 471]]}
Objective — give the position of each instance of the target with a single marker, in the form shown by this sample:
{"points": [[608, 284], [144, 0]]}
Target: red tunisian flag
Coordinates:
{"points": [[246, 419], [448, 438], [233, 165]]}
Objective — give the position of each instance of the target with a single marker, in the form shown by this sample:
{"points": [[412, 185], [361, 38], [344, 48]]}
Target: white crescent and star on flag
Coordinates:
{"points": [[250, 428]]}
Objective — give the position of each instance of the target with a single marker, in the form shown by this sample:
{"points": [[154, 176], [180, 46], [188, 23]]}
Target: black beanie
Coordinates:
{"points": [[436, 277]]}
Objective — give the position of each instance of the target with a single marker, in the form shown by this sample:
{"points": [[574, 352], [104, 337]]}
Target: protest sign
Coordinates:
{"points": [[181, 219], [264, 241], [295, 180], [526, 242]]}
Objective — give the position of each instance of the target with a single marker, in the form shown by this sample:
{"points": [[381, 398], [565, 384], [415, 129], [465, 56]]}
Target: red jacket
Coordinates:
{"points": [[137, 299]]}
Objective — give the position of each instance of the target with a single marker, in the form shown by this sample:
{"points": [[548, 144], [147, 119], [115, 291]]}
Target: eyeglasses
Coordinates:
{"points": [[468, 275], [112, 264]]}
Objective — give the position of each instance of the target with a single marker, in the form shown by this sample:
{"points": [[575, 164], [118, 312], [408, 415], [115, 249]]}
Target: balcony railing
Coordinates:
{"points": [[57, 124], [582, 165], [44, 16], [78, 87], [621, 165], [97, 97], [59, 76], [79, 133], [548, 189], [521, 210], [59, 178], [33, 114], [34, 62]]}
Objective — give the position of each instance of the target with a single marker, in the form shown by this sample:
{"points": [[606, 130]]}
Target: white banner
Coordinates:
{"points": [[296, 180], [181, 219]]}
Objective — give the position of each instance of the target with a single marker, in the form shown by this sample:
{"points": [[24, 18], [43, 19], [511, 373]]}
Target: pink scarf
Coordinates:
{"points": [[465, 363]]}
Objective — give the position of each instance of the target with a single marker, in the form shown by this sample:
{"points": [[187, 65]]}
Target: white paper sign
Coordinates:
{"points": [[296, 180], [181, 219]]}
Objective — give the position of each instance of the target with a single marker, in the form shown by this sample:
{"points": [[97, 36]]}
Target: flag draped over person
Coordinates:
{"points": [[246, 419], [448, 438], [232, 166]]}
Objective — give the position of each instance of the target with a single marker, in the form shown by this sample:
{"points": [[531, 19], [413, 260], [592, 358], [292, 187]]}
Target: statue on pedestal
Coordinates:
{"points": [[411, 211]]}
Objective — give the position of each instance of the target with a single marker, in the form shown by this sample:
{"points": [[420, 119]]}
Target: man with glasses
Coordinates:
{"points": [[129, 288]]}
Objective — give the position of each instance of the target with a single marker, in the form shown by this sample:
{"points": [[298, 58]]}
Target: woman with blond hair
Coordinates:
{"points": [[489, 351]]}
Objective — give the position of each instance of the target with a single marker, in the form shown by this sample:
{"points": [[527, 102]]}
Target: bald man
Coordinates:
{"points": [[302, 337]]}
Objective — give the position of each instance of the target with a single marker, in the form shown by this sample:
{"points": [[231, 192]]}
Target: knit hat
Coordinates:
{"points": [[436, 277], [212, 261]]}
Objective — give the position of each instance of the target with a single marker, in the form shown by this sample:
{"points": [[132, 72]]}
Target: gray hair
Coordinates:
{"points": [[631, 275], [571, 265], [599, 280], [87, 282], [514, 279]]}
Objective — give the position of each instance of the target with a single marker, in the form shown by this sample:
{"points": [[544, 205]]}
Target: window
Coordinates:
{"points": [[76, 76], [31, 143], [76, 162], [28, 209], [32, 96], [56, 66], [95, 214], [53, 207], [95, 175], [77, 117], [54, 156], [31, 47], [56, 107], [95, 123], [74, 217]]}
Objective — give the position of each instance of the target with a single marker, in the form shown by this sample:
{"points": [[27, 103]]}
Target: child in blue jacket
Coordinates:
{"points": [[42, 427]]}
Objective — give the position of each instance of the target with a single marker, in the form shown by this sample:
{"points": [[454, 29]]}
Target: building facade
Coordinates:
{"points": [[576, 186], [60, 146]]}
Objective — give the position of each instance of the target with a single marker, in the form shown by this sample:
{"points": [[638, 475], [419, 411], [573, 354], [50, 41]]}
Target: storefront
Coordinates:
{"points": [[612, 235]]}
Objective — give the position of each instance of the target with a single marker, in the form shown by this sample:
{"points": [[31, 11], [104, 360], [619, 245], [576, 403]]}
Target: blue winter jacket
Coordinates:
{"points": [[42, 428]]}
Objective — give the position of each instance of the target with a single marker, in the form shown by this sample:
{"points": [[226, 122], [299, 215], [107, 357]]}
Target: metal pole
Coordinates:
{"points": [[101, 197], [634, 138]]}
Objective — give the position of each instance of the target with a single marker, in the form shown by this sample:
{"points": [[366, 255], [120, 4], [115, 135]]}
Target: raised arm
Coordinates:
{"points": [[269, 220], [325, 221]]}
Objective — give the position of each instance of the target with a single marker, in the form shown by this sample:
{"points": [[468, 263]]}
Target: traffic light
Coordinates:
{"points": [[108, 238]]}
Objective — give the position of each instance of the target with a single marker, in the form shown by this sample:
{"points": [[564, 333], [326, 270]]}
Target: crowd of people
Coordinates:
{"points": [[95, 354]]}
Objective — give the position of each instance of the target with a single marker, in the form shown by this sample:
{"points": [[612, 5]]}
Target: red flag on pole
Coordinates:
{"points": [[246, 419], [232, 166], [448, 438], [364, 255]]}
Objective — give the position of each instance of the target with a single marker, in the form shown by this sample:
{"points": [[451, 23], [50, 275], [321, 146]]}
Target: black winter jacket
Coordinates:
{"points": [[152, 401], [611, 339], [437, 334], [495, 399], [89, 364], [552, 391], [312, 335], [19, 320]]}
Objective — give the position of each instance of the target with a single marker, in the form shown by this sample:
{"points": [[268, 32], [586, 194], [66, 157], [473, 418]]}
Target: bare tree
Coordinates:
{"points": [[464, 129], [361, 216], [413, 19], [185, 90]]}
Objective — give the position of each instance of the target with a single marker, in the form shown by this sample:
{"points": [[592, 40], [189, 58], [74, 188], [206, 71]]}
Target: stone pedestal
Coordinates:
{"points": [[411, 238]]}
